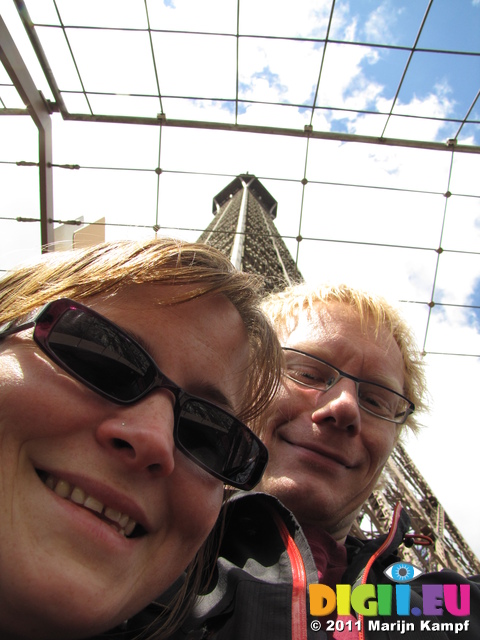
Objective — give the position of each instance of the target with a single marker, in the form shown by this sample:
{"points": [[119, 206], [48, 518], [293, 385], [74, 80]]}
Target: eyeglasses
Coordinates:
{"points": [[373, 398], [105, 359]]}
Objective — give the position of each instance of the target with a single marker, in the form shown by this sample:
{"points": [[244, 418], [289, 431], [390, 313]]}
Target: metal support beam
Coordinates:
{"points": [[449, 145], [38, 110], [239, 241], [40, 53]]}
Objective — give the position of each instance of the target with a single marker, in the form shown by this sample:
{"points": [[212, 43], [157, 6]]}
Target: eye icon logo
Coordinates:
{"points": [[402, 572]]}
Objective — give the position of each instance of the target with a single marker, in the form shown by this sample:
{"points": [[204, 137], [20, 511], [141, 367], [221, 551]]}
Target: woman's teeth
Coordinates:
{"points": [[121, 522]]}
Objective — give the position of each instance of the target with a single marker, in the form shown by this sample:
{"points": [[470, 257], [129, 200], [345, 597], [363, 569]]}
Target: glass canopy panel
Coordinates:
{"points": [[420, 128], [474, 115], [372, 216], [117, 105], [118, 232], [452, 289], [375, 72], [282, 18], [76, 102], [352, 122], [465, 172], [416, 314], [119, 14], [390, 22], [19, 141], [17, 202], [283, 71], [188, 216], [113, 61], [43, 12], [452, 330], [470, 134], [14, 253], [9, 98], [380, 166], [289, 195], [122, 197], [292, 246], [453, 26], [59, 58], [359, 77], [195, 66], [203, 110], [439, 85], [203, 151], [16, 29], [268, 115], [19, 241], [91, 144], [398, 274], [462, 224], [209, 16]]}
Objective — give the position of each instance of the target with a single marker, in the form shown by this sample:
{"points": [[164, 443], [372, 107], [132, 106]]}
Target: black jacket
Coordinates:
{"points": [[259, 589]]}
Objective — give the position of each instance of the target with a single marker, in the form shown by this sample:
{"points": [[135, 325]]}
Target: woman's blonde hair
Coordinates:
{"points": [[285, 307], [105, 269]]}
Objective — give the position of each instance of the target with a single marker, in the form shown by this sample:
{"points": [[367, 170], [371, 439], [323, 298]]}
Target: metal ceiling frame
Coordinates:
{"points": [[162, 120], [38, 109]]}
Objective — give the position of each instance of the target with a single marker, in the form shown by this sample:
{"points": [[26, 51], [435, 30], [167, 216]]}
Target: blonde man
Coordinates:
{"points": [[352, 382]]}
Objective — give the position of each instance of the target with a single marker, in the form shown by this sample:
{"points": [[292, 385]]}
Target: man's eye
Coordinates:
{"points": [[305, 374], [382, 400], [300, 373], [374, 401]]}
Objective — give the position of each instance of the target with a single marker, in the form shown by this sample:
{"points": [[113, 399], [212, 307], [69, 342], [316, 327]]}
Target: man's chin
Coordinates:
{"points": [[292, 492], [316, 505]]}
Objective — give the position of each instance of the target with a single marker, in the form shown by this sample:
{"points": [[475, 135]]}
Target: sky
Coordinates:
{"points": [[375, 216]]}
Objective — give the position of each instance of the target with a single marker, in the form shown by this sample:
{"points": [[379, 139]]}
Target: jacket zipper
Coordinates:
{"points": [[378, 552], [299, 582]]}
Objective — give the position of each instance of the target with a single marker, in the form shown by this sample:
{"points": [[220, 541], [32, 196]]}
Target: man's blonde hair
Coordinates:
{"points": [[285, 307]]}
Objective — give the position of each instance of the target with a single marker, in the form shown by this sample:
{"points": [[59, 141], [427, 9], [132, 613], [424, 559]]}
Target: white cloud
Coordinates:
{"points": [[377, 27]]}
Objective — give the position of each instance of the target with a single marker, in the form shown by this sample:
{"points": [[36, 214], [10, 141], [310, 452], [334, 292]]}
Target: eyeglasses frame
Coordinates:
{"points": [[342, 374]]}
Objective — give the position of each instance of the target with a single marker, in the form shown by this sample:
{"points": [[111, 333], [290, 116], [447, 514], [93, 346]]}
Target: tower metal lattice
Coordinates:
{"points": [[243, 228]]}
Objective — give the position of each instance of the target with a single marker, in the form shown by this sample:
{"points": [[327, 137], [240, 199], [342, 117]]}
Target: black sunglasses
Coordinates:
{"points": [[105, 359]]}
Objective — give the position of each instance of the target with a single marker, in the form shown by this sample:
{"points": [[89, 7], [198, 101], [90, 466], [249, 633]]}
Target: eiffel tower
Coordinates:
{"points": [[243, 228]]}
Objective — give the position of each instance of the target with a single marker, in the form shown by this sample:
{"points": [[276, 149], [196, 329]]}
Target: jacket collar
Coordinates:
{"points": [[385, 546]]}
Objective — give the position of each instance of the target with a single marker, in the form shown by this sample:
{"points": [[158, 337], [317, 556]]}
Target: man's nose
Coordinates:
{"points": [[141, 435], [339, 406]]}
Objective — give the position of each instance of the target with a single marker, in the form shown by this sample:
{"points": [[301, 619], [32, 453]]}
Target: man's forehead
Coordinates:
{"points": [[312, 321], [330, 325]]}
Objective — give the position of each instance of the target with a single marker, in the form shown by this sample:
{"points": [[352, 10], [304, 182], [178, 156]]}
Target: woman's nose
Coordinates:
{"points": [[141, 435], [339, 406]]}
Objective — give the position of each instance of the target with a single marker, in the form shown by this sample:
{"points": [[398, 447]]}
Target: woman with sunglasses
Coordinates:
{"points": [[126, 371]]}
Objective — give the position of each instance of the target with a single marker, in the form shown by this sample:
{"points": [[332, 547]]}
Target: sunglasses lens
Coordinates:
{"points": [[98, 354], [220, 443]]}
